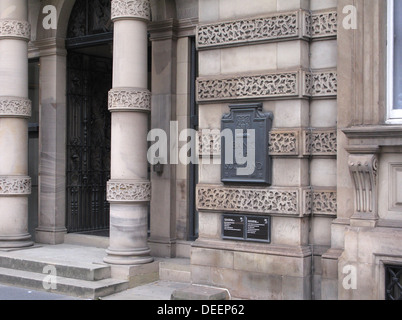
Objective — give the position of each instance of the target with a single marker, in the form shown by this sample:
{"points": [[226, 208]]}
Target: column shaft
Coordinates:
{"points": [[15, 109], [129, 101]]}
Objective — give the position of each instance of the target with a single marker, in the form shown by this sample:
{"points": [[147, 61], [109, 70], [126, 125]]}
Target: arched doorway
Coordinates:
{"points": [[89, 45]]}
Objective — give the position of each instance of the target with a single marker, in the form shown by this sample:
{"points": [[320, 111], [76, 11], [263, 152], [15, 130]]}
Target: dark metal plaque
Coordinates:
{"points": [[258, 229], [233, 227], [246, 228], [245, 139]]}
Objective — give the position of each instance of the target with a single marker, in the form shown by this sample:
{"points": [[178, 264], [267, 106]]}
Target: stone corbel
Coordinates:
{"points": [[363, 167]]}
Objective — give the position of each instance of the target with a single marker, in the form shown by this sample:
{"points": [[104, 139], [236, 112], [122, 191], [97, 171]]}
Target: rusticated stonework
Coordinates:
{"points": [[320, 84], [284, 143], [272, 200], [129, 99], [126, 191], [15, 186], [320, 142], [133, 9], [15, 29], [15, 107], [250, 30], [248, 86]]}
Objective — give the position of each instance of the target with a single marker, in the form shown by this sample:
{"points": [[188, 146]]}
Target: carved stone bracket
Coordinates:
{"points": [[15, 29], [131, 9], [15, 107], [128, 191], [363, 169], [15, 186], [129, 99]]}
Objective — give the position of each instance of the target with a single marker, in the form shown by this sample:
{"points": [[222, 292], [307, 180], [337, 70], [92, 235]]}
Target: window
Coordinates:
{"points": [[394, 64], [393, 282]]}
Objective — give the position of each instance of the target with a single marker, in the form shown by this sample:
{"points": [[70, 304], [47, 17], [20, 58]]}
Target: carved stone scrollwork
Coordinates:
{"points": [[15, 186], [129, 99], [15, 29], [284, 143], [320, 84], [363, 169], [15, 107], [128, 191], [131, 9], [320, 142]]}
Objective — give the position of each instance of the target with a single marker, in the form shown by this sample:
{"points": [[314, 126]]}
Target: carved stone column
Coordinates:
{"points": [[129, 189], [15, 108], [363, 167]]}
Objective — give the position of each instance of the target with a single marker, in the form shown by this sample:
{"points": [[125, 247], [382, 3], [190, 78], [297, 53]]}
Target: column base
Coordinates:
{"points": [[128, 257], [16, 242], [51, 236]]}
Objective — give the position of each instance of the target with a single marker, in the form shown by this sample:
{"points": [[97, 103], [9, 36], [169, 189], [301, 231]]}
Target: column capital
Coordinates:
{"points": [[15, 107], [15, 29], [131, 9], [128, 191], [129, 99]]}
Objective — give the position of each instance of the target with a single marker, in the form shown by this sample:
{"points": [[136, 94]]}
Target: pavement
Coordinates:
{"points": [[159, 290]]}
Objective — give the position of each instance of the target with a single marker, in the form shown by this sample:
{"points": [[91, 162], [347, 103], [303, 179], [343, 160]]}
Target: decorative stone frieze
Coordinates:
{"points": [[275, 27], [321, 84], [15, 107], [281, 201], [15, 29], [129, 99], [278, 26], [320, 142], [266, 86], [363, 169], [131, 9], [321, 24], [321, 201], [128, 191], [284, 143], [248, 86], [209, 143], [15, 186]]}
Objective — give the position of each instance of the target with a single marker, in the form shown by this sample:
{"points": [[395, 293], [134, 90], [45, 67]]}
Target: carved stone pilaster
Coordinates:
{"points": [[131, 9], [129, 99], [15, 107], [363, 169], [128, 191], [15, 29]]}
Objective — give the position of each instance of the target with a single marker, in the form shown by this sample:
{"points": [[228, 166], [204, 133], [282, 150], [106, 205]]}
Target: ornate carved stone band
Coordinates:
{"points": [[131, 9], [129, 99], [128, 191], [270, 85], [279, 26], [15, 107], [274, 200], [15, 29], [15, 186]]}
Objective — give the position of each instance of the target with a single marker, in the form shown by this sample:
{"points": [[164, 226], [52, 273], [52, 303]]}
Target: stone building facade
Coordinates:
{"points": [[102, 74]]}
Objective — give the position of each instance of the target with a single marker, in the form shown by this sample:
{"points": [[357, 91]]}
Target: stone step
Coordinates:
{"points": [[176, 270], [68, 286], [67, 269]]}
